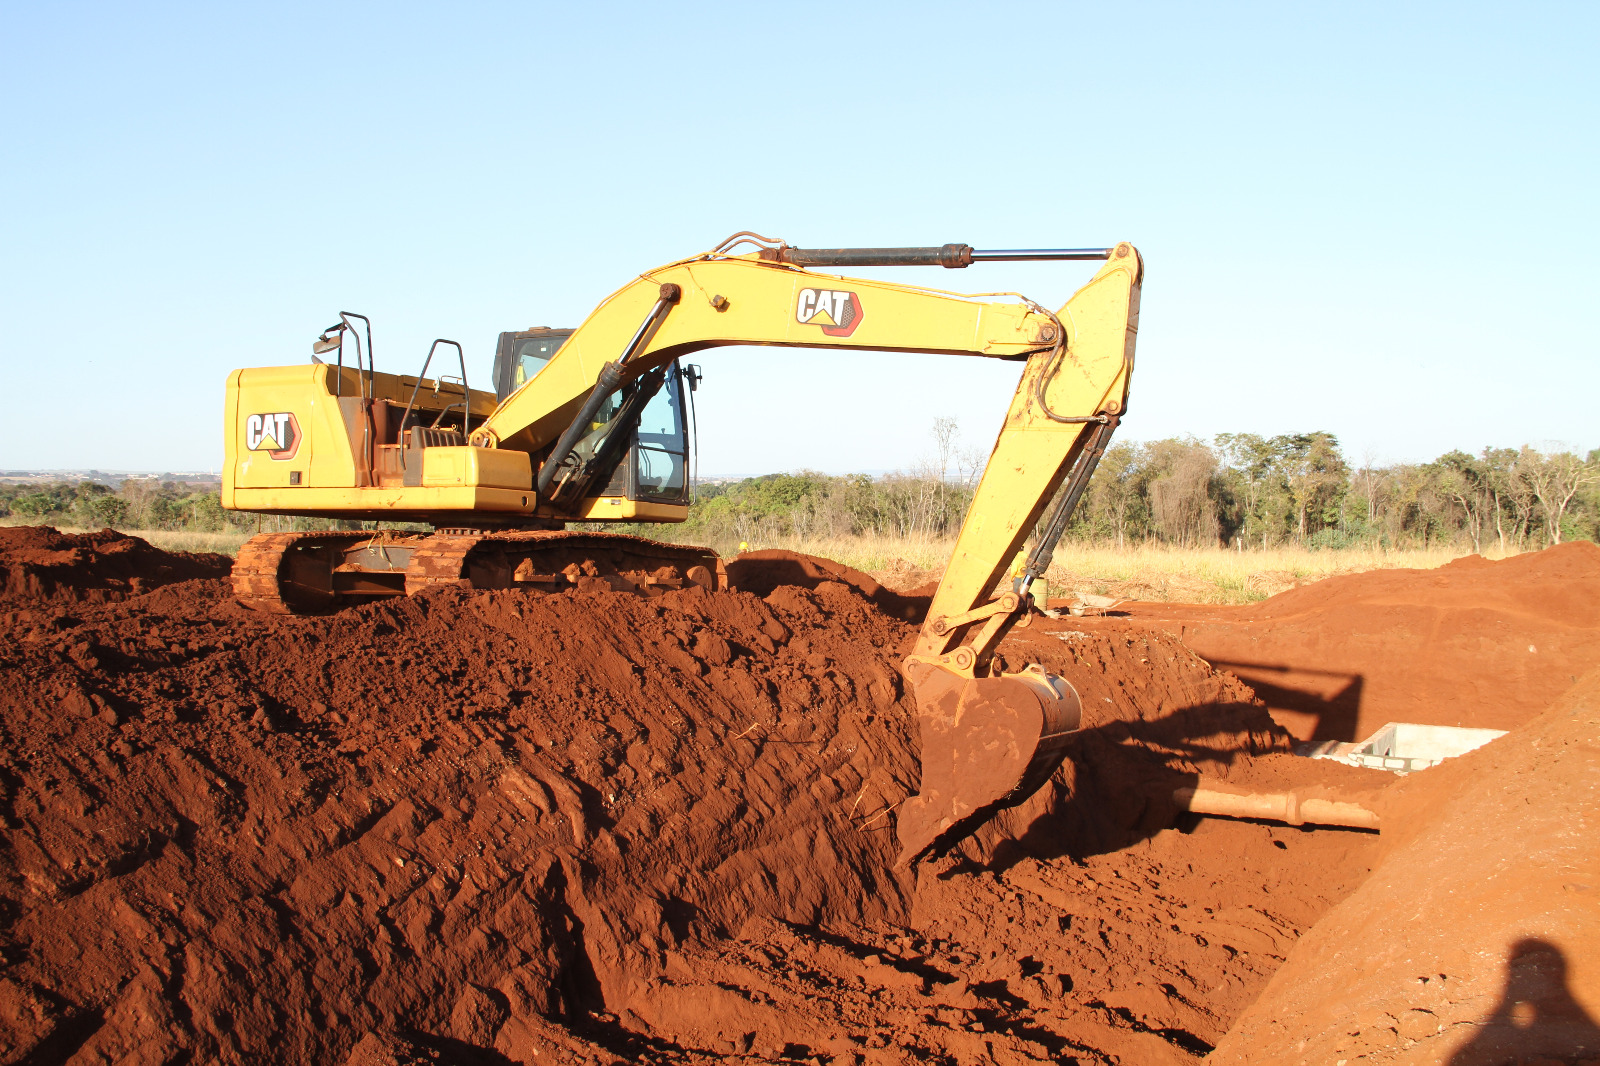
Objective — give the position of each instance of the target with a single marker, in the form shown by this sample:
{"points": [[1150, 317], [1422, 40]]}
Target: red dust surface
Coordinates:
{"points": [[490, 827]]}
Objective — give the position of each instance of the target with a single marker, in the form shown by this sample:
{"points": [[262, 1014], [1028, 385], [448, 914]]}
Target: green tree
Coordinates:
{"points": [[1465, 480], [105, 511], [1316, 476], [36, 505], [1555, 478], [1182, 493]]}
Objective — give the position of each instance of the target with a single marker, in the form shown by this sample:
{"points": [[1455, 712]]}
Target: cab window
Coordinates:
{"points": [[531, 357], [518, 357], [661, 448]]}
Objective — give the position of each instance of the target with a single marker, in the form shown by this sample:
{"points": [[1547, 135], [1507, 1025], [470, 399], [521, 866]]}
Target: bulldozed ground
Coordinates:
{"points": [[492, 827]]}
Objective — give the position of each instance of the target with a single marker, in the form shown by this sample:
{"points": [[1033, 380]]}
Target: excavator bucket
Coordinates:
{"points": [[988, 743]]}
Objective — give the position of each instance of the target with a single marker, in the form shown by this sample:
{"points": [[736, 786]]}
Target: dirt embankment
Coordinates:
{"points": [[1476, 941], [39, 563], [1474, 643], [256, 836], [516, 827], [763, 572]]}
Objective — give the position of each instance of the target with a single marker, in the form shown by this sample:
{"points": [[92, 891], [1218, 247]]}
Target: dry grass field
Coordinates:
{"points": [[1219, 575], [182, 541], [1143, 571]]}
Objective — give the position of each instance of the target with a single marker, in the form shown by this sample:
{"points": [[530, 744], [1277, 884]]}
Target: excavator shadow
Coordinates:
{"points": [[1312, 704], [1115, 788]]}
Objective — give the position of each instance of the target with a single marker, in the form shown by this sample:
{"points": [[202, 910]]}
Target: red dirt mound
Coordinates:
{"points": [[41, 563], [762, 571], [1078, 927], [1477, 940], [1473, 643], [264, 837], [589, 827]]}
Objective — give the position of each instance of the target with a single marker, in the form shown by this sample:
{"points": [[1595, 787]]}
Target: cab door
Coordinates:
{"points": [[655, 468], [659, 462]]}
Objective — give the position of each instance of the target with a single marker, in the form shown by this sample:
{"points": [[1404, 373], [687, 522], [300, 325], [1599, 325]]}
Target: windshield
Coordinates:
{"points": [[660, 459], [530, 358]]}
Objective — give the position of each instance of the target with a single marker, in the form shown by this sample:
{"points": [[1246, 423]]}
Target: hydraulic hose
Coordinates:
{"points": [[950, 256], [1039, 559], [610, 379]]}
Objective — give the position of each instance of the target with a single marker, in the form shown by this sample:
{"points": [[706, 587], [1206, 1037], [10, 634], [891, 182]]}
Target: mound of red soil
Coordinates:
{"points": [[1476, 941], [236, 835], [41, 563], [1078, 926], [762, 571], [588, 827], [1473, 643]]}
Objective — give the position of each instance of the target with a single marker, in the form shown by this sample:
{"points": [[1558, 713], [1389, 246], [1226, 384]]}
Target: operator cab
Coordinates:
{"points": [[655, 465]]}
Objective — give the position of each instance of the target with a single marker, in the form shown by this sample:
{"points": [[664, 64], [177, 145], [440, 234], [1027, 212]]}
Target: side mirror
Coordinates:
{"points": [[692, 376], [328, 341]]}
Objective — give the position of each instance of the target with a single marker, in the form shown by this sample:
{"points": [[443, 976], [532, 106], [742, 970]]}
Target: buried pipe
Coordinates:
{"points": [[1276, 807]]}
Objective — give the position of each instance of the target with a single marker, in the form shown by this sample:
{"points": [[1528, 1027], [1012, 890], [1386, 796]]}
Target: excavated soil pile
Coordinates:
{"points": [[1476, 941], [590, 827], [768, 569], [236, 835], [1473, 643], [40, 563]]}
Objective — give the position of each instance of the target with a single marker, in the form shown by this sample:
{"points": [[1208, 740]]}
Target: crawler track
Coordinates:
{"points": [[312, 573], [555, 559], [270, 571]]}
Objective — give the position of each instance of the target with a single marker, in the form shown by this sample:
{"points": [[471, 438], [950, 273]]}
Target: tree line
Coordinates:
{"points": [[1253, 491], [1240, 490], [141, 503]]}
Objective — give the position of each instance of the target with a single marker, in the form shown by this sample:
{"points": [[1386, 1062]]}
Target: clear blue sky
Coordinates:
{"points": [[1378, 220]]}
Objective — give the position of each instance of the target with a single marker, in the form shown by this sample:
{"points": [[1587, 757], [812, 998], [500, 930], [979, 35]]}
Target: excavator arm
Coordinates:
{"points": [[749, 301], [988, 739]]}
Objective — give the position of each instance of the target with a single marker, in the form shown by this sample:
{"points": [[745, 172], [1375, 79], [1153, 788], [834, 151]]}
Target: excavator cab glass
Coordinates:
{"points": [[520, 356], [652, 462], [661, 447], [656, 467]]}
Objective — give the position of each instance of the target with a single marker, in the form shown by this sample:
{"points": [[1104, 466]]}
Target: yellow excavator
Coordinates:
{"points": [[588, 425]]}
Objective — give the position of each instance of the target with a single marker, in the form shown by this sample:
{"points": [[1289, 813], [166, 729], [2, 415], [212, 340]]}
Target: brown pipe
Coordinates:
{"points": [[1276, 807]]}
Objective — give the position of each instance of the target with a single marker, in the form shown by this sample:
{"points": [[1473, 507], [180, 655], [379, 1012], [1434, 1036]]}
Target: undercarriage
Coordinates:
{"points": [[319, 572]]}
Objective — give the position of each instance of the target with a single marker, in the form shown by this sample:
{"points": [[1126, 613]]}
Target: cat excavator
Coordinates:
{"points": [[587, 425]]}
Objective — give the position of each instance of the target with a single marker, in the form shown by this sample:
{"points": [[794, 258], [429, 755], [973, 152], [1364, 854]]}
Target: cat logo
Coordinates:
{"points": [[836, 311], [276, 434]]}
